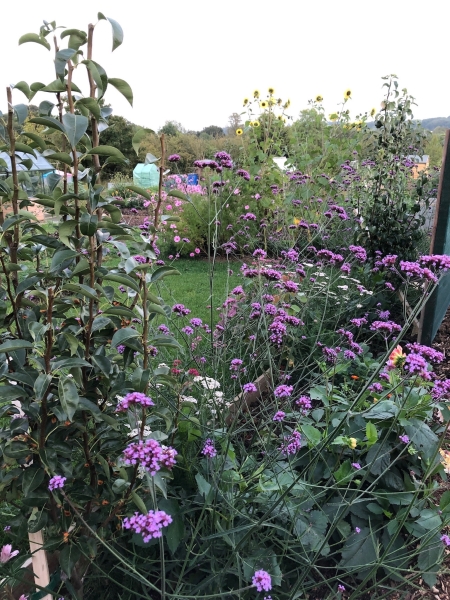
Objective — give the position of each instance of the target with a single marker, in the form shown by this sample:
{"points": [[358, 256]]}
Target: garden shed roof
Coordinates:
{"points": [[40, 163]]}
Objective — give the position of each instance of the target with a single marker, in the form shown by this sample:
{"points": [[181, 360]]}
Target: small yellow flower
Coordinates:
{"points": [[372, 112], [347, 94], [263, 104], [256, 94], [239, 131], [319, 98], [256, 124], [271, 101], [271, 91], [353, 443], [245, 101]]}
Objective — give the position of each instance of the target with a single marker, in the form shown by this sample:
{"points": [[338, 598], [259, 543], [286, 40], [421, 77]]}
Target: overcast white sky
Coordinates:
{"points": [[194, 61]]}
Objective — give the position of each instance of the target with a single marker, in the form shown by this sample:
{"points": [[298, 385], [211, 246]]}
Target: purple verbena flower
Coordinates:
{"points": [[134, 398], [149, 525], [56, 482], [209, 449], [262, 581]]}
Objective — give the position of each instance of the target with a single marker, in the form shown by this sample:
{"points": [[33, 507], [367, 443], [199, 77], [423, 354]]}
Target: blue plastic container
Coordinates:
{"points": [[192, 179]]}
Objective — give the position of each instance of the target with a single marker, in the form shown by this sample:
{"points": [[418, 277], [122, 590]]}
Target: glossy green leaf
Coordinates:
{"points": [[75, 127], [21, 111], [50, 122], [123, 280], [124, 336], [92, 67], [34, 37], [92, 105], [178, 194], [117, 30], [32, 479], [40, 142], [13, 345], [61, 59], [68, 397], [24, 88], [24, 148], [122, 87], [69, 557], [41, 386], [139, 137], [163, 272]]}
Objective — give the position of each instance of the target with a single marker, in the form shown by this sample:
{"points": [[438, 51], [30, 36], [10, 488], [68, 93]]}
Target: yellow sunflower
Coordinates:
{"points": [[319, 98], [263, 104], [256, 94], [372, 112], [256, 124], [239, 131], [245, 101], [347, 94], [271, 91]]}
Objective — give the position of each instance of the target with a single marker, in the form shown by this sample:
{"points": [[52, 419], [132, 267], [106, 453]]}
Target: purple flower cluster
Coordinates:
{"points": [[413, 269], [279, 415], [283, 391], [260, 253], [173, 158], [386, 327], [134, 398], [277, 331], [415, 363], [140, 259], [330, 355], [359, 253], [249, 388], [224, 159], [291, 444], [209, 449], [440, 262], [56, 482], [404, 439], [148, 525], [236, 364], [244, 174], [150, 454], [196, 322], [376, 387], [359, 322], [180, 309], [262, 581], [304, 402], [429, 353], [441, 389]]}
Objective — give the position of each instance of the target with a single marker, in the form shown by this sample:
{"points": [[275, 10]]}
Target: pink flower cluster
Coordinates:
{"points": [[148, 525], [7, 553]]}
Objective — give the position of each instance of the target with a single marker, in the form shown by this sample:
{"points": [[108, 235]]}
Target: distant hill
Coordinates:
{"points": [[431, 124]]}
